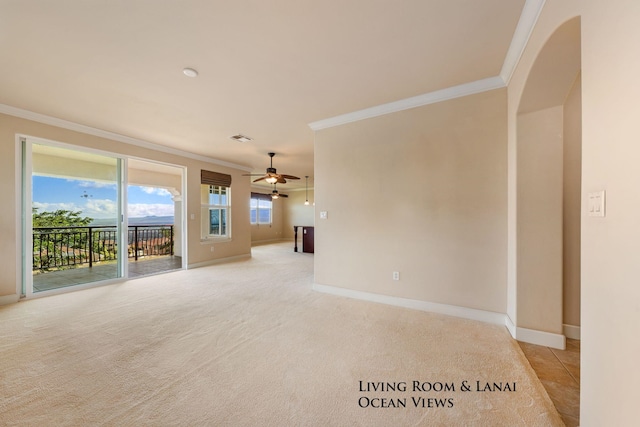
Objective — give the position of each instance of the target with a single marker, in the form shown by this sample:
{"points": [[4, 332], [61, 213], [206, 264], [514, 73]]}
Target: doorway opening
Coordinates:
{"points": [[154, 212], [549, 176]]}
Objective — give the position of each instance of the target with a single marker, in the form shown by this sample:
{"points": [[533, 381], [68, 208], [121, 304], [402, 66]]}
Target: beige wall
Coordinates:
{"points": [[197, 252], [572, 207], [422, 192], [610, 245], [540, 220], [297, 213], [549, 175]]}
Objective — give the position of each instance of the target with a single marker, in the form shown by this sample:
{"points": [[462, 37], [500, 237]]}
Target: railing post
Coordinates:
{"points": [[171, 251], [90, 248], [135, 245]]}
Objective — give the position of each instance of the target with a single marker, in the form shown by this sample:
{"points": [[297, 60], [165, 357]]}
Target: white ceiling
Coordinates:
{"points": [[266, 68]]}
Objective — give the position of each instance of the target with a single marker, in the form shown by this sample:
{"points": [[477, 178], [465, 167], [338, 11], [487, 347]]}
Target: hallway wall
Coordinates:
{"points": [[572, 204]]}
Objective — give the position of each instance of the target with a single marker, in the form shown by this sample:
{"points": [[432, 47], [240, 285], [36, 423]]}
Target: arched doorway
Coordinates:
{"points": [[548, 193]]}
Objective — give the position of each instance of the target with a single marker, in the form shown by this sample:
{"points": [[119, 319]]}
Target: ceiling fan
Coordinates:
{"points": [[272, 176], [275, 194]]}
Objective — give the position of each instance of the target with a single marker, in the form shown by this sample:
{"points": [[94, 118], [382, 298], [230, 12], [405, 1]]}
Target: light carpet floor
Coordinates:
{"points": [[250, 344]]}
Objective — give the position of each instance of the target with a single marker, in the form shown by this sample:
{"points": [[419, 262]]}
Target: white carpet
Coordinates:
{"points": [[250, 344]]}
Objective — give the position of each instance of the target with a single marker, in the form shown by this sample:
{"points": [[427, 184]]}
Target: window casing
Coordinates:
{"points": [[216, 211]]}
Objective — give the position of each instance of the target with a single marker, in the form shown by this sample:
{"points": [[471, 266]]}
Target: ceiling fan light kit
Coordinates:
{"points": [[275, 194], [272, 176]]}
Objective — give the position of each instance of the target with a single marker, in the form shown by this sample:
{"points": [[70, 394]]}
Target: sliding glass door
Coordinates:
{"points": [[72, 217]]}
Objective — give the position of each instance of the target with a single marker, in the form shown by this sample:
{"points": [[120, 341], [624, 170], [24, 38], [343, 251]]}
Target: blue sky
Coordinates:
{"points": [[97, 199]]}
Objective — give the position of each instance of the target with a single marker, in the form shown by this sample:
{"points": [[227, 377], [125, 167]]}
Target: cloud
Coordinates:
{"points": [[156, 191], [95, 184], [100, 208], [97, 209], [138, 210], [52, 207], [93, 208]]}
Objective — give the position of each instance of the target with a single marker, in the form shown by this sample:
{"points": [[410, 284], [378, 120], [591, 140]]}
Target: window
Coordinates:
{"points": [[215, 197], [216, 211], [260, 208]]}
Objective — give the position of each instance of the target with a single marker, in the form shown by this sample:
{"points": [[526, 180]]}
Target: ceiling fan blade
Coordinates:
{"points": [[289, 176], [283, 195], [281, 180], [260, 179]]}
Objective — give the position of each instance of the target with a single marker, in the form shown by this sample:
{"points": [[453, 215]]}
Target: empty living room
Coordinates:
{"points": [[319, 213]]}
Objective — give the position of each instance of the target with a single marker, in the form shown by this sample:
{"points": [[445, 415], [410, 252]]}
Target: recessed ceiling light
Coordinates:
{"points": [[190, 72], [240, 138]]}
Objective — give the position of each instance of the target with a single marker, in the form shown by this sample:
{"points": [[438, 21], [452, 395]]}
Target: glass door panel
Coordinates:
{"points": [[75, 205]]}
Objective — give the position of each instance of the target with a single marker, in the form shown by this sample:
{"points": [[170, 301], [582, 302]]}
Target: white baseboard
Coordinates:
{"points": [[546, 339], [267, 242], [219, 261], [511, 327], [532, 336], [9, 299], [449, 310], [571, 331]]}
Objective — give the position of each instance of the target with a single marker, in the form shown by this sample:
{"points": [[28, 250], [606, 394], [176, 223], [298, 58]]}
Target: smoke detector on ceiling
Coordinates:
{"points": [[240, 138], [190, 72]]}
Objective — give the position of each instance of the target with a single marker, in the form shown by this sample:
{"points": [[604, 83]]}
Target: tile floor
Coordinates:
{"points": [[104, 271], [559, 373]]}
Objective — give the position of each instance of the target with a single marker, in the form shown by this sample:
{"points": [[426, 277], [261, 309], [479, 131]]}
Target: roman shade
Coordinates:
{"points": [[260, 196], [215, 178]]}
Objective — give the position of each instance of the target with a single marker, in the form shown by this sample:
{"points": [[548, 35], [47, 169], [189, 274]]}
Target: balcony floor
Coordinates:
{"points": [[104, 271]]}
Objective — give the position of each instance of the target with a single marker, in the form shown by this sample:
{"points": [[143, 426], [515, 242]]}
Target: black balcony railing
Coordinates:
{"points": [[59, 248]]}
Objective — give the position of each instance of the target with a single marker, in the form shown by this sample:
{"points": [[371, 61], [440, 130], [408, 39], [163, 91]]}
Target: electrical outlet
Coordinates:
{"points": [[324, 215], [211, 248], [396, 275]]}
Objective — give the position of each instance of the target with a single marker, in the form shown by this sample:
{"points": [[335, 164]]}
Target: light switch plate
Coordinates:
{"points": [[596, 204]]}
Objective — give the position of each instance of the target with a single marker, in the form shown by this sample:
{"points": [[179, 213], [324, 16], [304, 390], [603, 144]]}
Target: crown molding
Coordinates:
{"points": [[65, 124], [528, 19], [459, 91]]}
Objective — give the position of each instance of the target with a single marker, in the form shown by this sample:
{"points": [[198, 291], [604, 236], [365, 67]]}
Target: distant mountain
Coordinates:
{"points": [[145, 220], [152, 220]]}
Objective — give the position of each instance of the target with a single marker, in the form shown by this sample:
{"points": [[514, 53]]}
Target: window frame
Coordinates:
{"points": [[258, 198], [224, 210]]}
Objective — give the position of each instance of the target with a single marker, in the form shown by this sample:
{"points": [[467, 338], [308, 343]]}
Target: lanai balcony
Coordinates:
{"points": [[83, 254]]}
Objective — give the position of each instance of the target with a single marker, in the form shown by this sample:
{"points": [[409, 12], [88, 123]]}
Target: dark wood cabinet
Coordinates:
{"points": [[307, 239]]}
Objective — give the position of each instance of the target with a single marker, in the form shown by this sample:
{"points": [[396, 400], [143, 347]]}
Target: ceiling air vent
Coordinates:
{"points": [[240, 138]]}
